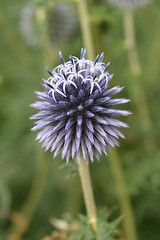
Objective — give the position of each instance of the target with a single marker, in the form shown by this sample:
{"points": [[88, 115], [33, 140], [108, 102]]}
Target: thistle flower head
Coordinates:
{"points": [[128, 4], [61, 22], [76, 113], [27, 22]]}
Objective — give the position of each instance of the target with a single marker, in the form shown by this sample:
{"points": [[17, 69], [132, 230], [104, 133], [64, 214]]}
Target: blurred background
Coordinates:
{"points": [[34, 187]]}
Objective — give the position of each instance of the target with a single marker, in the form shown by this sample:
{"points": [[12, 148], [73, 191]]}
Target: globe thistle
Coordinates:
{"points": [[27, 22], [61, 23], [76, 112], [125, 4]]}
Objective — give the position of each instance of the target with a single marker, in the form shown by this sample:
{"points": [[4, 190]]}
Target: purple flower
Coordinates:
{"points": [[60, 20], [76, 114]]}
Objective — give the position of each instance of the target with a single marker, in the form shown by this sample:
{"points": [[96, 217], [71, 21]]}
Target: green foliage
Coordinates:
{"points": [[71, 167], [105, 229], [147, 174], [102, 14], [85, 231]]}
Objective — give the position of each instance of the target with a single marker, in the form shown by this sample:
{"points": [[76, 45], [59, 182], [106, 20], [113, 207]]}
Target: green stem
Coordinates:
{"points": [[136, 88], [85, 27], [130, 43], [87, 192], [47, 48], [83, 166], [32, 200], [37, 187], [13, 41], [25, 215], [152, 69], [128, 220]]}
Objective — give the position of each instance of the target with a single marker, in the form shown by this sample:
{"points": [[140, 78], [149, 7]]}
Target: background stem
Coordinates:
{"points": [[136, 88], [24, 217], [126, 208], [85, 28], [152, 69]]}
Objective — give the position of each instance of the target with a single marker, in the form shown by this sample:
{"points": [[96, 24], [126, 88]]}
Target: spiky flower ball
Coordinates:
{"points": [[124, 4], [61, 22], [27, 25], [76, 112]]}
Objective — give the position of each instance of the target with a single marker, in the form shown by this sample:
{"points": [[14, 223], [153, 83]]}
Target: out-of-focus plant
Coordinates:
{"points": [[126, 4], [135, 86], [61, 23], [21, 166]]}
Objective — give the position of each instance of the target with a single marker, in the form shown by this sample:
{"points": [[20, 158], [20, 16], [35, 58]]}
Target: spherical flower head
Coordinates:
{"points": [[27, 23], [61, 23], [76, 113], [128, 4]]}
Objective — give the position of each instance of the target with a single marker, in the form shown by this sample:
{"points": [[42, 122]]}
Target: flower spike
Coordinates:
{"points": [[61, 57], [106, 68], [96, 59], [49, 72]]}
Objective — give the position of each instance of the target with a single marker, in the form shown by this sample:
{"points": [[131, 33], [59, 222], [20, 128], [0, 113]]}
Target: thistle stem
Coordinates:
{"points": [[11, 38], [85, 27], [152, 69], [23, 218], [48, 55], [83, 166], [13, 41], [136, 88], [130, 43], [128, 220], [88, 193]]}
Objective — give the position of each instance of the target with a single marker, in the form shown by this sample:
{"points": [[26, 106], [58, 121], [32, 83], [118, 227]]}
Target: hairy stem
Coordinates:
{"points": [[87, 192]]}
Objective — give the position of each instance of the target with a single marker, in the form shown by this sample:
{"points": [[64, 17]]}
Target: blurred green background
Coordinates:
{"points": [[32, 183]]}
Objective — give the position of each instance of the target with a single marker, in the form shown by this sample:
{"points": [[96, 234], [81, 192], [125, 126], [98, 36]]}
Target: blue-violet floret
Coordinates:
{"points": [[76, 113]]}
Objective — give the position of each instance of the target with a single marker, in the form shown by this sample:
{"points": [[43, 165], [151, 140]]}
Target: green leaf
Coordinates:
{"points": [[85, 232], [71, 167], [107, 230]]}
